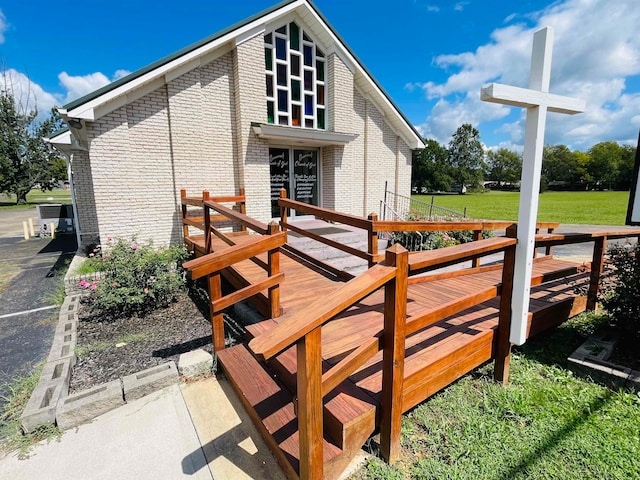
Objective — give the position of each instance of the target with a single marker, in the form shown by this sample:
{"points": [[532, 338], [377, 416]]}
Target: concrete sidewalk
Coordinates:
{"points": [[197, 431]]}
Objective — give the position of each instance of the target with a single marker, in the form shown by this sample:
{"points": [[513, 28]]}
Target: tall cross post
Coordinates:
{"points": [[537, 100]]}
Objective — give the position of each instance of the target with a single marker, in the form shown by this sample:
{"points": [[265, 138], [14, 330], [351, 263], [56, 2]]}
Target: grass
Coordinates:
{"points": [[547, 423], [34, 197], [597, 208], [10, 424], [98, 346]]}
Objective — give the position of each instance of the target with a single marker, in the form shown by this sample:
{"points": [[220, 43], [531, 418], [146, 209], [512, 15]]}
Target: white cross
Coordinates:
{"points": [[537, 100]]}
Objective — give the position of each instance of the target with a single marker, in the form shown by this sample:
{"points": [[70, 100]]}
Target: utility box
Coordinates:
{"points": [[58, 214]]}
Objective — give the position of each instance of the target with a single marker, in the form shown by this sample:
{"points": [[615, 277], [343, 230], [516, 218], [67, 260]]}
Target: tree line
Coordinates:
{"points": [[27, 161], [463, 164]]}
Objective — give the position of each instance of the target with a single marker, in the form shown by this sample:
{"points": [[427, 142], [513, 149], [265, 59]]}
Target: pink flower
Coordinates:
{"points": [[114, 284], [110, 239], [92, 255], [134, 246], [146, 290], [84, 283], [93, 287]]}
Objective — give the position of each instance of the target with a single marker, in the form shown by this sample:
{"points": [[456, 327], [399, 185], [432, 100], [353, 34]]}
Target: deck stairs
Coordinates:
{"points": [[351, 411]]}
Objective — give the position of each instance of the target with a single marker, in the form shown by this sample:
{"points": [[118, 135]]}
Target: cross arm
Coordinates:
{"points": [[525, 98]]}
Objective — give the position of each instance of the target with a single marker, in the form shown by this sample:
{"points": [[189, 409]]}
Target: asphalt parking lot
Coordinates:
{"points": [[32, 271]]}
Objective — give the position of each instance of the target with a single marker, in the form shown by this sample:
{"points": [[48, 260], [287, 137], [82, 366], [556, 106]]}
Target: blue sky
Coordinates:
{"points": [[431, 56]]}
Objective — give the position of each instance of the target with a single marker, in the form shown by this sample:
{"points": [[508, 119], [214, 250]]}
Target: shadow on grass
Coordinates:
{"points": [[554, 439]]}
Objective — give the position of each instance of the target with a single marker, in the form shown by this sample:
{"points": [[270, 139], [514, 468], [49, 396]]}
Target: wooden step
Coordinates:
{"points": [[349, 413], [271, 409]]}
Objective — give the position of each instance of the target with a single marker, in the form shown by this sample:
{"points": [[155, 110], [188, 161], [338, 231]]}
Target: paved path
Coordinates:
{"points": [[27, 317]]}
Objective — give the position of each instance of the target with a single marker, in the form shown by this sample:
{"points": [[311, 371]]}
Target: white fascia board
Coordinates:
{"points": [[87, 110]]}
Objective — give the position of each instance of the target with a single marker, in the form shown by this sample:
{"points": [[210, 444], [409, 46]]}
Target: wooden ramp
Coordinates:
{"points": [[339, 359]]}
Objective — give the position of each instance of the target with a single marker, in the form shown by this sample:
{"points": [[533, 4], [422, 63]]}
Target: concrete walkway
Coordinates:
{"points": [[198, 431]]}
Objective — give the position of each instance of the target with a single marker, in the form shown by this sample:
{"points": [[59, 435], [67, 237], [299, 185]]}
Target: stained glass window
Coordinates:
{"points": [[296, 97]]}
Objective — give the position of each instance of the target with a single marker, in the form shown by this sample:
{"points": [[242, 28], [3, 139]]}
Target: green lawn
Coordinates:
{"points": [[36, 197], [547, 423], [596, 208]]}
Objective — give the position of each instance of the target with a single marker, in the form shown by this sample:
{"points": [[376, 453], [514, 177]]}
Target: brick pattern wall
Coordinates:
{"points": [[251, 106], [83, 189]]}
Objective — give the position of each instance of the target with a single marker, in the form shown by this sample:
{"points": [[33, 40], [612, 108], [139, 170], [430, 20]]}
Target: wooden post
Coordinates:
{"points": [[597, 264], [185, 228], [372, 239], [283, 210], [243, 207], [274, 269], [549, 249], [502, 345], [217, 321], [207, 222], [477, 235], [395, 318], [310, 405]]}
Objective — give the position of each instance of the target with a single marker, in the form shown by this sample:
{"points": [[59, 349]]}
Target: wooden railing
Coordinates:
{"points": [[599, 240], [303, 329], [211, 264], [374, 227]]}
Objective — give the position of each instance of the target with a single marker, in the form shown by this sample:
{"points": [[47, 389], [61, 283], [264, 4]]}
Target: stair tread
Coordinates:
{"points": [[270, 401]]}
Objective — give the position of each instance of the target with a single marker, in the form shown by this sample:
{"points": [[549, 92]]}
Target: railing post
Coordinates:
{"points": [[207, 222], [395, 317], [502, 345], [597, 264], [431, 208], [372, 239], [185, 228], [274, 269], [548, 250], [217, 321], [477, 235], [283, 211], [310, 405], [243, 207]]}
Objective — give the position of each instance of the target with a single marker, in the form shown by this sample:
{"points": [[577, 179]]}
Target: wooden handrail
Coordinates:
{"points": [[400, 226], [292, 327], [238, 217], [217, 261], [327, 241], [326, 214], [551, 239], [431, 259]]}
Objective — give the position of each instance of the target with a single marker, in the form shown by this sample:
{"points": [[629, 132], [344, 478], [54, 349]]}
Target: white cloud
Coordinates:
{"points": [[27, 94], [3, 26], [433, 8], [78, 86], [458, 7], [120, 73], [596, 48]]}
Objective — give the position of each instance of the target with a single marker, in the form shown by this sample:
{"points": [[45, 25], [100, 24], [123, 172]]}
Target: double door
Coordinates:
{"points": [[297, 172]]}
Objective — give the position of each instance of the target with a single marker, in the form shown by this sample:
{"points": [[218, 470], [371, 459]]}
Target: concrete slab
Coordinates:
{"points": [[149, 438], [142, 383], [232, 446], [195, 363], [82, 407]]}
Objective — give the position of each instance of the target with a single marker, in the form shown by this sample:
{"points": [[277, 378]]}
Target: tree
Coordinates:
{"points": [[431, 169], [504, 166], [559, 165], [606, 160], [26, 160], [466, 157]]}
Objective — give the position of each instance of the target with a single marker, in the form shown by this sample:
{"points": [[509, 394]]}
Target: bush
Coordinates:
{"points": [[622, 300], [416, 241], [136, 278]]}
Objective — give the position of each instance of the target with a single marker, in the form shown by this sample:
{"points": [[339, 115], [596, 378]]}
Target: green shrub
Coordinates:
{"points": [[136, 278], [416, 241], [622, 300]]}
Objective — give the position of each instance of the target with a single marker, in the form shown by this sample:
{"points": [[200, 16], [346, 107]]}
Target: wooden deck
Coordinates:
{"points": [[435, 356], [340, 358]]}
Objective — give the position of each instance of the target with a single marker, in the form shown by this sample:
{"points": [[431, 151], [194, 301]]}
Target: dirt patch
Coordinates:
{"points": [[108, 349]]}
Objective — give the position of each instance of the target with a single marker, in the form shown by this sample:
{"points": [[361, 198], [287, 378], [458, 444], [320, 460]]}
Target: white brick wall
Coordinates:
{"points": [[195, 133]]}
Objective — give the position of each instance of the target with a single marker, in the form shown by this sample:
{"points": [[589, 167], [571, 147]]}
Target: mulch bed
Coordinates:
{"points": [[113, 348]]}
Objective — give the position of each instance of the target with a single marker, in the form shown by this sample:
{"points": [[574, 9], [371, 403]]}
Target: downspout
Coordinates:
{"points": [[76, 224]]}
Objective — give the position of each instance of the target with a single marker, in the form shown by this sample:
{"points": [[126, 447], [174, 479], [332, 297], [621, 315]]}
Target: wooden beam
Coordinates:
{"points": [[395, 316], [310, 406], [597, 265], [503, 345]]}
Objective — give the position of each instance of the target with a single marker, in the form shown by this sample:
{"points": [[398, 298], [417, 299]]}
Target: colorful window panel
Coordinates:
{"points": [[295, 69]]}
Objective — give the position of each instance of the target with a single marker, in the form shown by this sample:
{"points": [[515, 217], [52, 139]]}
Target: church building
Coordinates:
{"points": [[276, 101]]}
